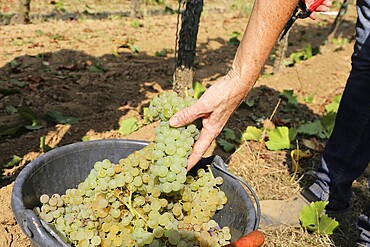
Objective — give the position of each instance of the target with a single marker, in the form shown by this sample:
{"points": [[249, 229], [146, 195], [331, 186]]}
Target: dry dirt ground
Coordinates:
{"points": [[81, 68]]}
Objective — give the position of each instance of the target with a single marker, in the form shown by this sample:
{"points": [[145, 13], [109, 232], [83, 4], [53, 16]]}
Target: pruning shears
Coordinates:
{"points": [[300, 12]]}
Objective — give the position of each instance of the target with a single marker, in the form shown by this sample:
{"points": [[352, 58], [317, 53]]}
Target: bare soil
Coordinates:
{"points": [[83, 68]]}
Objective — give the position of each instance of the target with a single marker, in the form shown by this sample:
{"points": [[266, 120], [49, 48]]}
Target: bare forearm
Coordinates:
{"points": [[266, 22]]}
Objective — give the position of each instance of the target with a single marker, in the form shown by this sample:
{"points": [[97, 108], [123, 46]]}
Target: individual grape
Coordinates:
{"points": [[174, 237], [44, 199], [96, 240]]}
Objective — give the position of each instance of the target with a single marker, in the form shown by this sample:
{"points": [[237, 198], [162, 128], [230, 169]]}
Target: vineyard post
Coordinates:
{"points": [[184, 72], [280, 51], [338, 20], [135, 8], [23, 16]]}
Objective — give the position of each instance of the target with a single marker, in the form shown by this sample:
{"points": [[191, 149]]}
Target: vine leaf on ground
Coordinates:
{"points": [[314, 219], [311, 128], [227, 139], [252, 133], [280, 138], [28, 114], [15, 160], [292, 101], [227, 146], [57, 117], [334, 105], [128, 126]]}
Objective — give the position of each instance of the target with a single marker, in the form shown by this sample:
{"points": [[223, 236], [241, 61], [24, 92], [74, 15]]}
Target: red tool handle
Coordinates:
{"points": [[253, 239], [314, 6]]}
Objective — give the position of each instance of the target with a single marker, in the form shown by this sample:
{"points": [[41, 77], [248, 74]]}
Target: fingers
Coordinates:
{"points": [[206, 137], [186, 116]]}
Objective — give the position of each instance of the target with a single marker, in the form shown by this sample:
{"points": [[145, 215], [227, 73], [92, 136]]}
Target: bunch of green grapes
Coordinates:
{"points": [[172, 145], [147, 199]]}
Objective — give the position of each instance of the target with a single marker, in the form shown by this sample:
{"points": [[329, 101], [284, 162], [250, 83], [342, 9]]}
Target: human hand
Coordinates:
{"points": [[214, 107], [322, 8]]}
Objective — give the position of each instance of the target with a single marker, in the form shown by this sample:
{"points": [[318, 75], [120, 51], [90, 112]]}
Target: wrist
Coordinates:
{"points": [[237, 82]]}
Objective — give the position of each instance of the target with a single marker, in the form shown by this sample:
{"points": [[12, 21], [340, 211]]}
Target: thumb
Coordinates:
{"points": [[185, 116]]}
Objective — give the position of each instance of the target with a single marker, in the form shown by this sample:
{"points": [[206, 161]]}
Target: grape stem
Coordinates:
{"points": [[210, 171], [132, 210]]}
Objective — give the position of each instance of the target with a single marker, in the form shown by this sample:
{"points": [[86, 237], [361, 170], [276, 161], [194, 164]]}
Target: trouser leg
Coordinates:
{"points": [[347, 152]]}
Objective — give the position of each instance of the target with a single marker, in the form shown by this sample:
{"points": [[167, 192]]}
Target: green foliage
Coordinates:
{"points": [[323, 127], [6, 130], [134, 48], [334, 105], [19, 83], [136, 23], [243, 7], [304, 54], [128, 126], [161, 53], [311, 128], [252, 133], [227, 140], [43, 146], [251, 102], [153, 2], [57, 117], [292, 102], [199, 89], [15, 161], [314, 219], [14, 64], [59, 6], [30, 115], [340, 41], [234, 40], [280, 138], [308, 99], [97, 67]]}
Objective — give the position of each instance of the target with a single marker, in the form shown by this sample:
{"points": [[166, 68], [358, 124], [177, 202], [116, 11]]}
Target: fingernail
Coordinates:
{"points": [[174, 121]]}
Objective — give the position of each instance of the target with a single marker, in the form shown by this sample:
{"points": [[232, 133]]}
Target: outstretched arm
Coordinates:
{"points": [[216, 105]]}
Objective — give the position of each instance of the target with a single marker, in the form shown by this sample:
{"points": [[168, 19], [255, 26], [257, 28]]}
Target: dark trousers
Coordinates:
{"points": [[347, 153]]}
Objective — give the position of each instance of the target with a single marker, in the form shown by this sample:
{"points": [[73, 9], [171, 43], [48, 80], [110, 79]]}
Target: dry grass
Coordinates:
{"points": [[269, 175]]}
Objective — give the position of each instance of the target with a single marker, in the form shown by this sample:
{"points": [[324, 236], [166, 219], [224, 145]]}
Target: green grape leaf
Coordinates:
{"points": [[30, 115], [328, 122], [15, 160], [292, 101], [312, 217], [227, 146], [252, 133], [57, 117], [199, 89], [292, 134], [6, 130], [334, 105], [229, 134], [85, 138], [289, 95], [251, 102], [278, 139], [161, 53], [128, 126], [311, 128], [327, 225], [97, 68]]}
